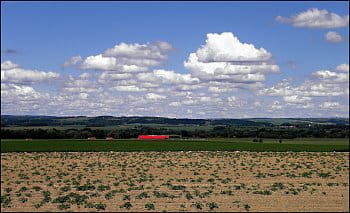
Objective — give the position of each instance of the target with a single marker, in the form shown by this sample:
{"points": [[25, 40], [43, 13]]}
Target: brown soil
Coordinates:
{"points": [[234, 181]]}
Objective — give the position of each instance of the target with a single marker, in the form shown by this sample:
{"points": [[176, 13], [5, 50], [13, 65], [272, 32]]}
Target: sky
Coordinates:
{"points": [[175, 59]]}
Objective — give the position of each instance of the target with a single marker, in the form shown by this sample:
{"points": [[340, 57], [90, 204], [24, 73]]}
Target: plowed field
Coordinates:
{"points": [[175, 181]]}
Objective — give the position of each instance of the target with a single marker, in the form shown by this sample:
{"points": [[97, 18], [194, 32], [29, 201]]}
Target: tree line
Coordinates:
{"points": [[325, 131]]}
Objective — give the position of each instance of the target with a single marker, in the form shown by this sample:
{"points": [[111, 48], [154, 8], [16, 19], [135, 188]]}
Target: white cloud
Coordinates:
{"points": [[307, 89], [128, 57], [333, 37], [343, 67], [315, 18], [112, 76], [84, 75], [330, 105], [226, 47], [276, 105], [167, 77], [155, 50], [129, 88], [80, 85], [8, 65], [72, 61], [224, 58], [224, 73], [331, 77], [155, 97], [321, 84], [295, 99], [215, 89], [12, 73], [21, 99], [21, 93], [100, 62], [175, 104]]}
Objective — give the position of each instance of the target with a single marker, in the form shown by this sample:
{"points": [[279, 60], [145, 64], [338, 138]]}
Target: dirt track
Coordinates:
{"points": [[175, 181]]}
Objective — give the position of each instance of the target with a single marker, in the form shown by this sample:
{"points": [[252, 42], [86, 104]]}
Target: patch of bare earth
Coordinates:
{"points": [[175, 181]]}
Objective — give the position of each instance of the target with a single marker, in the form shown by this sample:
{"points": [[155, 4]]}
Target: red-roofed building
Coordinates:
{"points": [[153, 137]]}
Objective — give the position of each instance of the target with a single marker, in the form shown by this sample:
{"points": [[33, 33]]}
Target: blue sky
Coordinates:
{"points": [[46, 34]]}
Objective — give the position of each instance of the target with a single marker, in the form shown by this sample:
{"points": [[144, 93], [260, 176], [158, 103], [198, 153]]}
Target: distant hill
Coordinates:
{"points": [[28, 120]]}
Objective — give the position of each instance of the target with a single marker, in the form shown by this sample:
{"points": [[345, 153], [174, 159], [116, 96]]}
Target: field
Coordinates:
{"points": [[236, 144], [175, 181]]}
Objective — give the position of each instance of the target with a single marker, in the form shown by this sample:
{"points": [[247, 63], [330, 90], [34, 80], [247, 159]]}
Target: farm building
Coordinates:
{"points": [[153, 137], [109, 138], [157, 137], [91, 138]]}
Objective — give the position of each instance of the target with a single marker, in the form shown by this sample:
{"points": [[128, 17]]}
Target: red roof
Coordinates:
{"points": [[153, 137]]}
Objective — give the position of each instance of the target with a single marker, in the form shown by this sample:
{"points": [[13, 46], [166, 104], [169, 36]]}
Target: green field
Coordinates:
{"points": [[244, 144]]}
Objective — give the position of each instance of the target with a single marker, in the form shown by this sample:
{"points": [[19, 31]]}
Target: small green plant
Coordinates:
{"points": [[6, 201], [126, 205], [100, 206], [179, 187], [247, 207], [103, 188], [149, 206], [65, 188], [306, 174], [46, 195], [142, 195], [324, 175], [198, 205], [265, 192], [23, 199], [37, 188], [23, 189], [212, 205], [189, 196], [8, 190], [126, 197], [63, 206]]}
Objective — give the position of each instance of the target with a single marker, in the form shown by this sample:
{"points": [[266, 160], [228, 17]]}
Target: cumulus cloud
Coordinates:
{"points": [[343, 67], [72, 61], [295, 99], [112, 76], [156, 51], [315, 18], [167, 77], [80, 85], [333, 37], [128, 88], [216, 89], [331, 77], [155, 97], [7, 65], [224, 58], [322, 83], [224, 73], [226, 47], [127, 57], [13, 73], [276, 105], [175, 104], [22, 99], [330, 105], [21, 93]]}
